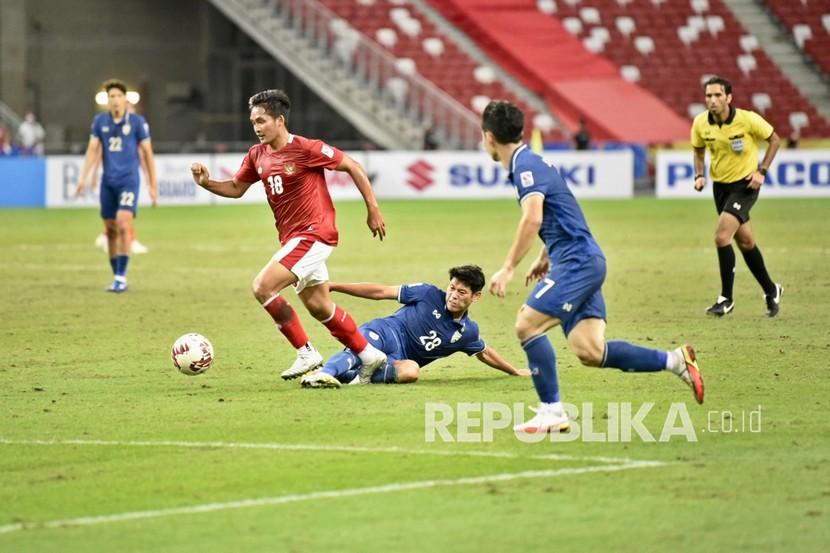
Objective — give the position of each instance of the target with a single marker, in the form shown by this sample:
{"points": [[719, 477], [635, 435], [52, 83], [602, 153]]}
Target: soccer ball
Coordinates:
{"points": [[192, 354]]}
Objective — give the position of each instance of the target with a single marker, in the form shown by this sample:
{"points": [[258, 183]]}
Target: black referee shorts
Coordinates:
{"points": [[735, 198]]}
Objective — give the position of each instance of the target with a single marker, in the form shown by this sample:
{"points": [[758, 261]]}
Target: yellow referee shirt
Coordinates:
{"points": [[732, 144]]}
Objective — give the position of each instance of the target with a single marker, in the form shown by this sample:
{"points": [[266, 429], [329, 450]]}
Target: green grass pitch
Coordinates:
{"points": [[105, 447]]}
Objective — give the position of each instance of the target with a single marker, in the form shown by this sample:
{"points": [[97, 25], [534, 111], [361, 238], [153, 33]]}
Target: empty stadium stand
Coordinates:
{"points": [[666, 47], [574, 81], [421, 47], [808, 22]]}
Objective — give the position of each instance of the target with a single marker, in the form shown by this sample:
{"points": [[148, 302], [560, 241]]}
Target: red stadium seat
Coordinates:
{"points": [[677, 29], [812, 15], [406, 33], [659, 39]]}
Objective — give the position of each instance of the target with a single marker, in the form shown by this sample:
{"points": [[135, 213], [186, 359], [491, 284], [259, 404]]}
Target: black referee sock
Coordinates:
{"points": [[755, 262], [726, 259]]}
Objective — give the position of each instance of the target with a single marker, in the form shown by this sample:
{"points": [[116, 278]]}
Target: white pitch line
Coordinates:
{"points": [[327, 494], [97, 267], [323, 447]]}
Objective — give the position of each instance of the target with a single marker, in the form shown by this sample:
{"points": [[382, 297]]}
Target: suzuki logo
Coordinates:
{"points": [[420, 175]]}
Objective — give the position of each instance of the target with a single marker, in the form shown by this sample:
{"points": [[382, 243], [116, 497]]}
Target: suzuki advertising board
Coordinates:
{"points": [[468, 175], [403, 175]]}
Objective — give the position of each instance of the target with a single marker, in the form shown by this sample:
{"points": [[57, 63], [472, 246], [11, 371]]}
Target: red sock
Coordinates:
{"points": [[341, 325], [287, 321]]}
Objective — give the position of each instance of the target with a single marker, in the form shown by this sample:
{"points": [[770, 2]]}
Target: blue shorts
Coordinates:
{"points": [[118, 197], [571, 292], [384, 338]]}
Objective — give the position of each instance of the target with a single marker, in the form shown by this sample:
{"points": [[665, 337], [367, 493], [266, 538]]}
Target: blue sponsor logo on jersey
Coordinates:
{"points": [[489, 175]]}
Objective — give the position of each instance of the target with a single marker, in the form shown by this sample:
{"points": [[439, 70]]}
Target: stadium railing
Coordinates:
{"points": [[372, 66]]}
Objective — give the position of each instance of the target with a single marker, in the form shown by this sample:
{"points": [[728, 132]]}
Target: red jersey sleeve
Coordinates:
{"points": [[322, 155], [247, 172]]}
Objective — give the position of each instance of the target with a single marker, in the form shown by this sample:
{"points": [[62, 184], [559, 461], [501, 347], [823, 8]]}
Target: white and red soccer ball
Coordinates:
{"points": [[192, 354]]}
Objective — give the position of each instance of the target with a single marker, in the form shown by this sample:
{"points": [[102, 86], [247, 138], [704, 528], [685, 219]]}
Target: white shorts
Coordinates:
{"points": [[306, 258]]}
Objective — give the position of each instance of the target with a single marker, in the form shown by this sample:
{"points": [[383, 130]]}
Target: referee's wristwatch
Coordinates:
{"points": [[698, 176], [763, 171]]}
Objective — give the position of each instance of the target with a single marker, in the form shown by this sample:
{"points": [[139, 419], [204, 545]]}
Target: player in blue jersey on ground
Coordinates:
{"points": [[570, 270], [117, 135], [432, 324]]}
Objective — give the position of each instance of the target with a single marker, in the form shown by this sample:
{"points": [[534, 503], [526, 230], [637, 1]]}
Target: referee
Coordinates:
{"points": [[730, 135]]}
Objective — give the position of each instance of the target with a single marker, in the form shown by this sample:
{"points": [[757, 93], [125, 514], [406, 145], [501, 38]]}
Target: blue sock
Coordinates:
{"points": [[542, 362], [348, 376], [113, 264], [631, 358], [385, 374], [341, 363], [121, 265]]}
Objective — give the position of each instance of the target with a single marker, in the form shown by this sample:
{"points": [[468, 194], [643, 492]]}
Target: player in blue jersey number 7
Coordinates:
{"points": [[570, 270], [432, 324]]}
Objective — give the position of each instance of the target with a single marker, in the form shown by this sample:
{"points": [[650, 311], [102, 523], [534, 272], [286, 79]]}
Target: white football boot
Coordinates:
{"points": [[101, 242], [137, 247], [550, 417], [307, 361], [371, 360], [319, 379]]}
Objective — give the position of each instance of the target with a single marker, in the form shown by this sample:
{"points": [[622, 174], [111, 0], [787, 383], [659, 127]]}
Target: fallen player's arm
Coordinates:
{"points": [[491, 357], [368, 290]]}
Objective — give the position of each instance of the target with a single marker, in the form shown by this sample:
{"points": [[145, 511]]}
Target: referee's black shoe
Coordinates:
{"points": [[774, 301], [723, 306]]}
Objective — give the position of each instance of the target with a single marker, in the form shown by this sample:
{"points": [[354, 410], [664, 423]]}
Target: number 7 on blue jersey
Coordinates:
{"points": [[548, 285]]}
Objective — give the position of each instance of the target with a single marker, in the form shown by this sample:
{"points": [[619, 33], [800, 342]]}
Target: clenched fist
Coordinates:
{"points": [[200, 174]]}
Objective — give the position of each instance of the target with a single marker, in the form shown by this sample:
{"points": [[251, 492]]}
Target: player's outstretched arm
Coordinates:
{"points": [[148, 162], [93, 152], [367, 290], [532, 208], [225, 188], [374, 218], [492, 358], [99, 161]]}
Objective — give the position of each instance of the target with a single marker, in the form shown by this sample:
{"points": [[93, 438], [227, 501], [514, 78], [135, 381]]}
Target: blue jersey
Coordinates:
{"points": [[564, 231], [120, 142], [426, 329]]}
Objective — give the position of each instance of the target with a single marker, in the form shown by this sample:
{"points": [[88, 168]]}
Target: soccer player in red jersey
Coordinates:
{"points": [[291, 169]]}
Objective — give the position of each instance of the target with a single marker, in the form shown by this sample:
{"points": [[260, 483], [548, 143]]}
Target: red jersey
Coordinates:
{"points": [[296, 186]]}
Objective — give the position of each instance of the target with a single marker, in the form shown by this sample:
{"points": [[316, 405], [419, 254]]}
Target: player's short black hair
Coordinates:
{"points": [[115, 83], [505, 120], [471, 275], [727, 86], [274, 100]]}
